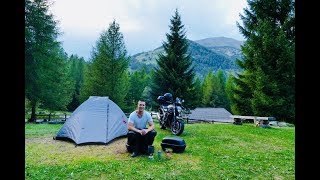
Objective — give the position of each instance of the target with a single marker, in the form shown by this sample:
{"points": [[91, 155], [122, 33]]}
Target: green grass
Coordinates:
{"points": [[214, 151]]}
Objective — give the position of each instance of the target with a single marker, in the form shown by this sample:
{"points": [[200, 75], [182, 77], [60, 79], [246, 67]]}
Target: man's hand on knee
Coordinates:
{"points": [[144, 132]]}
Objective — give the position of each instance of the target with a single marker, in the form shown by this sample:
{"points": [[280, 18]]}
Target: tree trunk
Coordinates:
{"points": [[33, 113]]}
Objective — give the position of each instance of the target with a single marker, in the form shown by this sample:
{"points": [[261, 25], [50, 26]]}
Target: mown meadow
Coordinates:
{"points": [[214, 151]]}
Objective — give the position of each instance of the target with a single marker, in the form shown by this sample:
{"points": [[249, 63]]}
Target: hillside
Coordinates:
{"points": [[227, 46], [209, 54], [219, 42]]}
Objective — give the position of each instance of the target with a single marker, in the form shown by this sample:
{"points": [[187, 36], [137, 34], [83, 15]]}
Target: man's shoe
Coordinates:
{"points": [[134, 154], [145, 153]]}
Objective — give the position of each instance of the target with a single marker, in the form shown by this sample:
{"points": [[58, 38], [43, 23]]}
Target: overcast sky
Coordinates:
{"points": [[143, 23]]}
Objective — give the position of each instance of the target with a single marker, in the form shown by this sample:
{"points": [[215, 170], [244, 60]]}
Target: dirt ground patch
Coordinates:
{"points": [[116, 146]]}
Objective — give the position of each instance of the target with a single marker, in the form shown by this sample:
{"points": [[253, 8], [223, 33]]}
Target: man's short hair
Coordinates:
{"points": [[141, 100]]}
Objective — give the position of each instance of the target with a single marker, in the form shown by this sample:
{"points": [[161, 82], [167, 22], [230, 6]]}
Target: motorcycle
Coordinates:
{"points": [[171, 113]]}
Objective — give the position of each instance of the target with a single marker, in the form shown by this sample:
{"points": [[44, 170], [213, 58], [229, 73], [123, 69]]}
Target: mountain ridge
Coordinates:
{"points": [[209, 54], [219, 42]]}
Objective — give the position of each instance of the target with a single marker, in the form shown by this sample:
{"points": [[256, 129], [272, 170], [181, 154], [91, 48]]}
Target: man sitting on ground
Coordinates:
{"points": [[139, 136]]}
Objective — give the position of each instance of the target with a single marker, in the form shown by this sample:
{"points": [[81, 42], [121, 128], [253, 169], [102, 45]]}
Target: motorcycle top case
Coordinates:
{"points": [[163, 101], [176, 144]]}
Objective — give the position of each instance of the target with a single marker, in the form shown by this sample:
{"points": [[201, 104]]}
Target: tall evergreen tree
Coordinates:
{"points": [[230, 85], [240, 95], [198, 95], [219, 96], [46, 81], [107, 73], [267, 85], [207, 90], [76, 72], [56, 83], [175, 73], [138, 81], [213, 90]]}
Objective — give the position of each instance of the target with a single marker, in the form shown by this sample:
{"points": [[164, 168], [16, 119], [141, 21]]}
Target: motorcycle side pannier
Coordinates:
{"points": [[176, 144]]}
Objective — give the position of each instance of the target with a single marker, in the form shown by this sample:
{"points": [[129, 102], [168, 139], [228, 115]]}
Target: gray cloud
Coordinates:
{"points": [[143, 23]]}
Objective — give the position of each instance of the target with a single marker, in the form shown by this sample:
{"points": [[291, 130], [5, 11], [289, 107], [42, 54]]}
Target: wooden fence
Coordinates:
{"points": [[51, 117]]}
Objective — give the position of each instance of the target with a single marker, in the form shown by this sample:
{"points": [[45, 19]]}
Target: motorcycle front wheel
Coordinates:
{"points": [[177, 127]]}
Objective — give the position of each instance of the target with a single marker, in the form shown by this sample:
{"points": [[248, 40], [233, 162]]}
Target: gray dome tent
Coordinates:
{"points": [[96, 120]]}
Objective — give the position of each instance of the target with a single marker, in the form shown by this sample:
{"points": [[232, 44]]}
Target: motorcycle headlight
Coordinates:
{"points": [[179, 109], [170, 108]]}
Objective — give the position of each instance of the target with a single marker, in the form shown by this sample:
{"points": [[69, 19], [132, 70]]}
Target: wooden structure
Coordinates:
{"points": [[52, 118], [258, 121], [208, 115]]}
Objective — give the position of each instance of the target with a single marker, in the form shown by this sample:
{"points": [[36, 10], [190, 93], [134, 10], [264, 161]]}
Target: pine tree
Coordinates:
{"points": [[198, 95], [267, 85], [219, 96], [56, 84], [239, 95], [214, 90], [207, 90], [76, 72], [230, 85], [107, 73], [46, 81], [138, 81], [175, 73]]}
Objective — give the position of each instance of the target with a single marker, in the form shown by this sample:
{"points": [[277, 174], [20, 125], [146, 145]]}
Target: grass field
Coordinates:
{"points": [[214, 151]]}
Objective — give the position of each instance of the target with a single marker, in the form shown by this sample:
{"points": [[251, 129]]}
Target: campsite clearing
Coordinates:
{"points": [[214, 151]]}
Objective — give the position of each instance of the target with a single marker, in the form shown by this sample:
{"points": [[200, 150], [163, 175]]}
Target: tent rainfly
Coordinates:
{"points": [[96, 120]]}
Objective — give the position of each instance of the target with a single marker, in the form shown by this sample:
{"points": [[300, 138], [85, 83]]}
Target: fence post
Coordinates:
{"points": [[65, 117], [49, 117]]}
